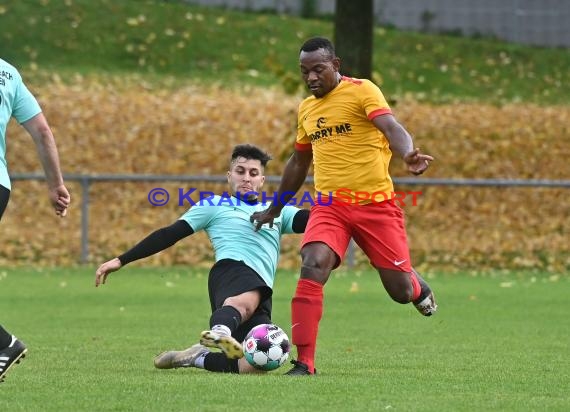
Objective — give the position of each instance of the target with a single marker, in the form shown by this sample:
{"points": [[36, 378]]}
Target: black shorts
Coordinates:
{"points": [[4, 197], [229, 278]]}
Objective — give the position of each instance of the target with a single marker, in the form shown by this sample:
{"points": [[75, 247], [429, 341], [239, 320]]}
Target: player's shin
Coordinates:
{"points": [[227, 316]]}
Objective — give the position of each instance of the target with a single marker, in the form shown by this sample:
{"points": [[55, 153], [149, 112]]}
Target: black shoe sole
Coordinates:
{"points": [[19, 358]]}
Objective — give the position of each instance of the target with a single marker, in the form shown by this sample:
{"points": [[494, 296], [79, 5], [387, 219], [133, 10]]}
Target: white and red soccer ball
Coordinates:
{"points": [[266, 347]]}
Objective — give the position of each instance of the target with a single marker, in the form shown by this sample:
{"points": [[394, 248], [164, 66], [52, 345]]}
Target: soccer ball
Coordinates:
{"points": [[266, 347]]}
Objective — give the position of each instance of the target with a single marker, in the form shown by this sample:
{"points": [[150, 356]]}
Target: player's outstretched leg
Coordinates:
{"points": [[219, 338], [10, 355], [180, 358], [425, 303]]}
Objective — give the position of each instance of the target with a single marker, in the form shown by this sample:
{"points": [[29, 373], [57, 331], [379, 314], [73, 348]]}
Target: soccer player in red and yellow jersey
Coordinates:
{"points": [[347, 130]]}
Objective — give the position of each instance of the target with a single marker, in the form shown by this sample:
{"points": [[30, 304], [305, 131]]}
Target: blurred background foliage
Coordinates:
{"points": [[159, 39]]}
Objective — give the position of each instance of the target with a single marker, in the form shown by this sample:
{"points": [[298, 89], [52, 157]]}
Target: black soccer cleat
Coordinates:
{"points": [[425, 303], [299, 369], [10, 355]]}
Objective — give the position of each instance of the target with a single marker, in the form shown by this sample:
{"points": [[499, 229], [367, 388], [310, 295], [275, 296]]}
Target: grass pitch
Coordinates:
{"points": [[499, 342]]}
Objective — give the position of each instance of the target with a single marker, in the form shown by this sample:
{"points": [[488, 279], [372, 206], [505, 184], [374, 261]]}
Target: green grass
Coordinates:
{"points": [[499, 342], [171, 43]]}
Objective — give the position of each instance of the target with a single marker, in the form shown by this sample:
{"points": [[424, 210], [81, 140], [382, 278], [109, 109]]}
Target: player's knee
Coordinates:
{"points": [[317, 263], [247, 311], [246, 307], [315, 269]]}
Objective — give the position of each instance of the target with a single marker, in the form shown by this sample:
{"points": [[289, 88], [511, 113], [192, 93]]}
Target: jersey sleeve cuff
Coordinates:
{"points": [[303, 147], [379, 112]]}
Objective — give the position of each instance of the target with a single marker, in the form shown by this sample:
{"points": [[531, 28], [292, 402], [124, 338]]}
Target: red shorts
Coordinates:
{"points": [[378, 228]]}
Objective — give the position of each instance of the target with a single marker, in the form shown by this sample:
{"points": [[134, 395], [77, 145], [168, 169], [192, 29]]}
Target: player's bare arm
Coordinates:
{"points": [[402, 144], [294, 175], [40, 132]]}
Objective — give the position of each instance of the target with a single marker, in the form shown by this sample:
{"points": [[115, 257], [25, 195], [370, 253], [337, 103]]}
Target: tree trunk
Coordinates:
{"points": [[353, 33]]}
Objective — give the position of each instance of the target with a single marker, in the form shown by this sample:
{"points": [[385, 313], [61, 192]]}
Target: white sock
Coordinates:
{"points": [[222, 330], [199, 362]]}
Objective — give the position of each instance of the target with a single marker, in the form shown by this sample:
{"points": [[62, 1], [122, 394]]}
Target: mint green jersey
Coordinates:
{"points": [[226, 221], [15, 101]]}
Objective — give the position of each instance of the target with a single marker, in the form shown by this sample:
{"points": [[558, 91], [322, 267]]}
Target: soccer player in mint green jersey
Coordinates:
{"points": [[240, 282], [17, 101]]}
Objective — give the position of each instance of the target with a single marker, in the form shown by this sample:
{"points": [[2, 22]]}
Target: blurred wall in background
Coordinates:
{"points": [[532, 22]]}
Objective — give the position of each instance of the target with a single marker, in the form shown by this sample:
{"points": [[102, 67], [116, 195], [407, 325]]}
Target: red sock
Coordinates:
{"points": [[306, 313], [416, 287]]}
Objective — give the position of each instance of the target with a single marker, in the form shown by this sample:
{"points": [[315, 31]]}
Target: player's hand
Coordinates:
{"points": [[417, 162], [105, 269], [60, 199], [260, 218]]}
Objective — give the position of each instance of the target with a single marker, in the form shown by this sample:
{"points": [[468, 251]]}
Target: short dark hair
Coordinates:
{"points": [[317, 43], [249, 151]]}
